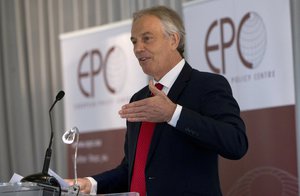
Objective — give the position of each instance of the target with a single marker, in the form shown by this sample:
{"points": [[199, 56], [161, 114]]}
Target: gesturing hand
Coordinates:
{"points": [[158, 108]]}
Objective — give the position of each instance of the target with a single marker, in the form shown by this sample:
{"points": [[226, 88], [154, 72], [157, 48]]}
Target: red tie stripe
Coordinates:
{"points": [[138, 181]]}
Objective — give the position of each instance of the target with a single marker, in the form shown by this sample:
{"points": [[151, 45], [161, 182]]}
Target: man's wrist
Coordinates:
{"points": [[93, 185], [175, 115]]}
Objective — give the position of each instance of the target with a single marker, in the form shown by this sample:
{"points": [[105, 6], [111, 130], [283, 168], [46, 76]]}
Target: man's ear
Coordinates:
{"points": [[175, 38]]}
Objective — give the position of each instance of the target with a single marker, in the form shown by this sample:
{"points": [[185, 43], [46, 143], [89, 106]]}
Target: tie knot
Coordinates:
{"points": [[159, 86]]}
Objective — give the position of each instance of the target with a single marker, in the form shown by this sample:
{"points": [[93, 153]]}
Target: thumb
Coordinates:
{"points": [[153, 88]]}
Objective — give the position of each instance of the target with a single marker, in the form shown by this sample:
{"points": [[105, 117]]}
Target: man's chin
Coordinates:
{"points": [[146, 70]]}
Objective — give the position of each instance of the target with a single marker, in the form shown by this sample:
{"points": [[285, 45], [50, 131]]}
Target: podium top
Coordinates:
{"points": [[31, 188], [121, 194], [18, 187]]}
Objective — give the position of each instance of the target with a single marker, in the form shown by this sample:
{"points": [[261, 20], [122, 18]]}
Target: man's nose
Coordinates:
{"points": [[138, 47]]}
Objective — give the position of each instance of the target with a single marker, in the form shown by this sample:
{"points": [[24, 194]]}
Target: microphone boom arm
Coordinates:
{"points": [[43, 178]]}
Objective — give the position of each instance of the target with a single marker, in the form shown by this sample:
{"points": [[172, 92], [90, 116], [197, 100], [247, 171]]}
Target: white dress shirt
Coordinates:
{"points": [[168, 81]]}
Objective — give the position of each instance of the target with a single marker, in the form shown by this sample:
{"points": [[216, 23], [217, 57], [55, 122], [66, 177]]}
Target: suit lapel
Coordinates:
{"points": [[174, 94], [180, 83]]}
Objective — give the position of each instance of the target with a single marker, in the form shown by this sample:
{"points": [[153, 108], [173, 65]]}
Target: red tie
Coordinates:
{"points": [[138, 181]]}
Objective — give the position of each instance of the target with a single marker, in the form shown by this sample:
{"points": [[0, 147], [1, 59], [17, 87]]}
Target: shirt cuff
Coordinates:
{"points": [[175, 116], [94, 185]]}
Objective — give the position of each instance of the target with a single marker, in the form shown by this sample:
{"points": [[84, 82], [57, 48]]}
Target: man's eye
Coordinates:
{"points": [[147, 39]]}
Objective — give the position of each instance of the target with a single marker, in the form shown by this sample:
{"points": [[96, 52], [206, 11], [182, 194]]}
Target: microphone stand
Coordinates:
{"points": [[44, 179]]}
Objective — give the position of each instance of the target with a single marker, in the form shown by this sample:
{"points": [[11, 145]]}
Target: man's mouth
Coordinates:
{"points": [[143, 59]]}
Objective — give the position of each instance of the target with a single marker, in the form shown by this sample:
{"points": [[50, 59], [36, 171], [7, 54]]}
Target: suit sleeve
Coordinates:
{"points": [[113, 181], [214, 120]]}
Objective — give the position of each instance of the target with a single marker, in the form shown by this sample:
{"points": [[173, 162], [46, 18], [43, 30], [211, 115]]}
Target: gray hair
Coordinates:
{"points": [[170, 20]]}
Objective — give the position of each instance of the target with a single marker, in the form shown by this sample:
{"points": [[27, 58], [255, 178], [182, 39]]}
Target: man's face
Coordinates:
{"points": [[152, 47]]}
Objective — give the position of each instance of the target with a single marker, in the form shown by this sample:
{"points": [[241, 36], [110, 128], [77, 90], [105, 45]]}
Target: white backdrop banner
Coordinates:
{"points": [[100, 74], [249, 42]]}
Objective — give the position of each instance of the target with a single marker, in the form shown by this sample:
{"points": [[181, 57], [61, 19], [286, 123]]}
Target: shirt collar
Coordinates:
{"points": [[169, 79]]}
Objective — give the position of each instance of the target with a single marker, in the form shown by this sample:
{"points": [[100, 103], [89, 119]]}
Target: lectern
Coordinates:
{"points": [[26, 189], [34, 189]]}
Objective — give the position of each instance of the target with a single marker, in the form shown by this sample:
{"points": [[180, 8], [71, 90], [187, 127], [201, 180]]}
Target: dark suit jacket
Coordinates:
{"points": [[183, 160]]}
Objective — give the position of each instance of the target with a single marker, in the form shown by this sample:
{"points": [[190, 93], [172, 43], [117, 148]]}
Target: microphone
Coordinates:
{"points": [[43, 178], [48, 154]]}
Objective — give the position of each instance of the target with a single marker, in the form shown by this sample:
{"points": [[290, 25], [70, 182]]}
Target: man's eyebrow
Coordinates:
{"points": [[146, 33], [143, 34]]}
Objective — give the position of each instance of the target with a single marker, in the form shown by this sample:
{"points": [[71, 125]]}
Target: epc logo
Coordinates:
{"points": [[112, 65], [251, 41]]}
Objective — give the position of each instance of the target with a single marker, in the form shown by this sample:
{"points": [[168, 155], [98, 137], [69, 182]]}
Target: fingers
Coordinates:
{"points": [[69, 181], [153, 109], [134, 111]]}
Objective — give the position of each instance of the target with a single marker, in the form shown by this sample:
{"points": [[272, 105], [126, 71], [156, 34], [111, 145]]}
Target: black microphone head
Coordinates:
{"points": [[60, 95]]}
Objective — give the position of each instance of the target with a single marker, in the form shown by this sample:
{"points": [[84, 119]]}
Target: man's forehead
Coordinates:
{"points": [[146, 25]]}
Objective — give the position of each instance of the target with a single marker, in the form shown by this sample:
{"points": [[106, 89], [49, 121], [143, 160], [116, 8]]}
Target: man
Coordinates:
{"points": [[195, 119]]}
